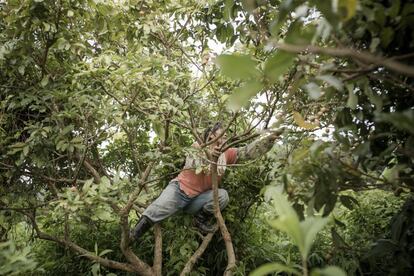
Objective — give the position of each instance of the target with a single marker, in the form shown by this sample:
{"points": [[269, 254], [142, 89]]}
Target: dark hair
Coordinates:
{"points": [[211, 130]]}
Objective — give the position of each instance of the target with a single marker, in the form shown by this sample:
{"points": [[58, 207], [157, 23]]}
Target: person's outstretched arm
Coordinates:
{"points": [[258, 147]]}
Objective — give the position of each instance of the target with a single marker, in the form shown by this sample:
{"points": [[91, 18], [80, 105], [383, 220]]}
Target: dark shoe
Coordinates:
{"points": [[202, 222], [140, 228]]}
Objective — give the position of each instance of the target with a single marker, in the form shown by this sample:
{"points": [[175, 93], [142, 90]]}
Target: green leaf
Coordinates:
{"points": [[373, 98], [325, 7], [328, 271], [317, 147], [347, 8], [408, 8], [314, 90], [402, 120], [228, 10], [387, 34], [106, 251], [102, 26], [44, 81], [352, 97], [242, 95], [374, 44], [298, 34], [310, 227], [383, 247], [62, 43], [348, 201], [284, 10], [288, 220], [21, 69], [95, 269], [394, 9], [290, 225], [159, 129], [103, 215], [301, 122], [104, 184], [363, 149], [273, 267], [224, 32], [331, 80], [392, 174], [249, 5], [277, 65], [238, 67], [299, 154], [18, 145], [77, 140], [87, 185], [26, 150], [67, 129], [337, 240]]}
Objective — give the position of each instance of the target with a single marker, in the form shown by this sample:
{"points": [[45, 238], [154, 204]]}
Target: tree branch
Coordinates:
{"points": [[365, 57], [88, 254], [231, 257], [139, 265], [198, 253], [137, 191], [92, 170], [157, 267]]}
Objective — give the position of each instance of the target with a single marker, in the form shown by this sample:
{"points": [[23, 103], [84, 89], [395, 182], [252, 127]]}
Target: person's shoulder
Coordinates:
{"points": [[231, 150], [231, 155], [195, 145]]}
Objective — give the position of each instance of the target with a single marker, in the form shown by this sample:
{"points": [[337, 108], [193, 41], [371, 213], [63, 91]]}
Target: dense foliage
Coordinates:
{"points": [[100, 101]]}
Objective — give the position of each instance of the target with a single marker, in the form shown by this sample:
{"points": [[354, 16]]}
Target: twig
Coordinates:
{"points": [[358, 172], [392, 80], [199, 89]]}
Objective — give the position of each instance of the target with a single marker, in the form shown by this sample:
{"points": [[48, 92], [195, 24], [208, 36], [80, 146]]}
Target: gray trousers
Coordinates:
{"points": [[173, 199]]}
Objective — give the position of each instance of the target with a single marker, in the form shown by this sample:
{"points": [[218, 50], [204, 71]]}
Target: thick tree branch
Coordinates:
{"points": [[88, 254], [139, 265], [231, 257], [126, 250]]}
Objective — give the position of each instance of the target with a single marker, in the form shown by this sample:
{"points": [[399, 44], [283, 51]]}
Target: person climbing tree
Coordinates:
{"points": [[191, 191]]}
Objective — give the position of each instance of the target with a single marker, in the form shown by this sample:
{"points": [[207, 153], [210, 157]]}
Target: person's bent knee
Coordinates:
{"points": [[157, 213]]}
